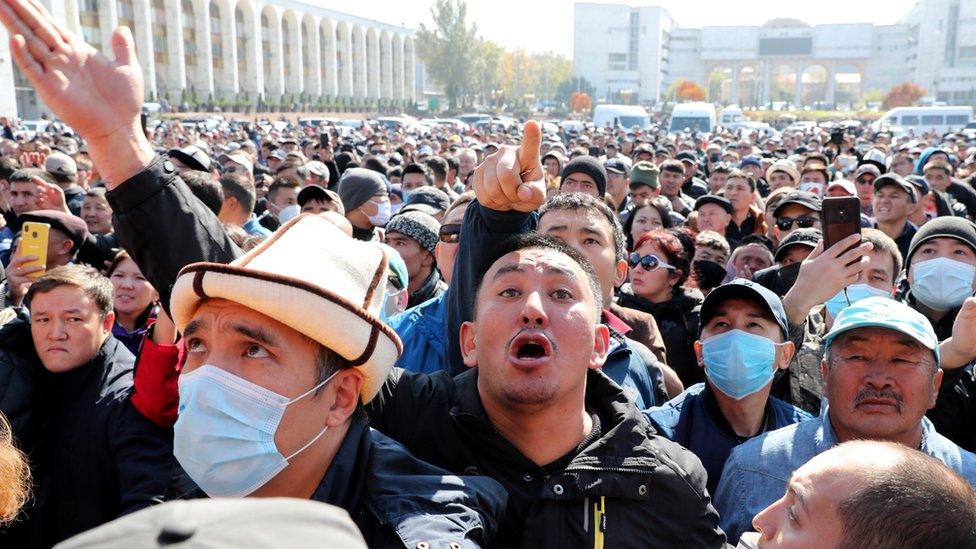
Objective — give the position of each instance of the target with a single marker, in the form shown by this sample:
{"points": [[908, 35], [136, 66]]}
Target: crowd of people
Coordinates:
{"points": [[607, 337]]}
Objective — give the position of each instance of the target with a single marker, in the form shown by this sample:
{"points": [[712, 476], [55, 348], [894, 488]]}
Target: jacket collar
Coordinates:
{"points": [[624, 445], [426, 291], [344, 481]]}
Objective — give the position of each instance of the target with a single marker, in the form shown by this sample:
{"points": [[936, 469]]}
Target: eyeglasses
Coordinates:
{"points": [[450, 234], [786, 223], [648, 262]]}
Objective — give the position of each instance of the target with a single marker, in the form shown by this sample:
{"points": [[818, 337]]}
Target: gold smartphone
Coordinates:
{"points": [[33, 241]]}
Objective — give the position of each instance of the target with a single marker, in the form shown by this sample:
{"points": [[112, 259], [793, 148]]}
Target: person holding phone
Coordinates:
{"points": [[66, 236]]}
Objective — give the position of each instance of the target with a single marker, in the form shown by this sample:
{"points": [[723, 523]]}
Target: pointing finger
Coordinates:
{"points": [[528, 151]]}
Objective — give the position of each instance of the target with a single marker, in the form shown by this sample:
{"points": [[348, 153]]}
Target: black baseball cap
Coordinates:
{"points": [[896, 180], [714, 199], [430, 200], [802, 198], [317, 192], [617, 165], [741, 288], [800, 237], [192, 157]]}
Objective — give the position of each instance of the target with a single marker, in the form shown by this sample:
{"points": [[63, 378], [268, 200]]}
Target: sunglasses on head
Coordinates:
{"points": [[450, 234], [649, 262], [805, 222]]}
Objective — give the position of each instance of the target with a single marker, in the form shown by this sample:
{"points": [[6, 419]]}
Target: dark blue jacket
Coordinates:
{"points": [[694, 420]]}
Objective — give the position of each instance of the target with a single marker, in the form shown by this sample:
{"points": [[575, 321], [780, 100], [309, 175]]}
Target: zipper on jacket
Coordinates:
{"points": [[599, 522]]}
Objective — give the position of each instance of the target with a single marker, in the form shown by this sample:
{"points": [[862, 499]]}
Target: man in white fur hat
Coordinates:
{"points": [[281, 353]]}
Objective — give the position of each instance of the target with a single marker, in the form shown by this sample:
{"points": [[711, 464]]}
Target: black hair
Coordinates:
{"points": [[205, 188], [540, 241], [583, 202]]}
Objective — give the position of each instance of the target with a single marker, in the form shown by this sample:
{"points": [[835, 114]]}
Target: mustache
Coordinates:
{"points": [[883, 393]]}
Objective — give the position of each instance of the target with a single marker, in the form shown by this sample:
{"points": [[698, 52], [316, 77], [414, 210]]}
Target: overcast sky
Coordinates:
{"points": [[547, 25]]}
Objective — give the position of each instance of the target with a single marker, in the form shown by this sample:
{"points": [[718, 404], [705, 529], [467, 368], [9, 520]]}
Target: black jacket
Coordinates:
{"points": [[652, 491], [678, 321], [164, 227], [93, 456]]}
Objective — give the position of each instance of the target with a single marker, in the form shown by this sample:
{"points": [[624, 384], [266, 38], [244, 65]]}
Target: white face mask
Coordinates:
{"points": [[942, 283], [812, 187], [224, 437], [384, 210]]}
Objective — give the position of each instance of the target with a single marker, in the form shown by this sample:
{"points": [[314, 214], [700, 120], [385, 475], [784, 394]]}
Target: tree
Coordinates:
{"points": [[447, 48], [686, 90], [580, 102], [903, 95], [568, 87]]}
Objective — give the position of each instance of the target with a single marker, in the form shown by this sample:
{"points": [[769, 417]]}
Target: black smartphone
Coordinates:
{"points": [[840, 217], [594, 151], [837, 137], [324, 139]]}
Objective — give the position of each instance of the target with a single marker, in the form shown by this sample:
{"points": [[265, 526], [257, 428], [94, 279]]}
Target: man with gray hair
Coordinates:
{"points": [[881, 374]]}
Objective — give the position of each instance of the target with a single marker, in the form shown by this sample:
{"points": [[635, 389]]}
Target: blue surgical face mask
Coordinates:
{"points": [[224, 437], [739, 363], [942, 283], [406, 194], [855, 292]]}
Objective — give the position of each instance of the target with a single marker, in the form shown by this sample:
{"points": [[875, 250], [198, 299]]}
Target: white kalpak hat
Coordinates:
{"points": [[313, 278]]}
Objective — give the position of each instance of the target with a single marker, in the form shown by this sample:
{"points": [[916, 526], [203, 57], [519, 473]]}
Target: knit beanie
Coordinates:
{"points": [[949, 226], [589, 166], [358, 185], [418, 226]]}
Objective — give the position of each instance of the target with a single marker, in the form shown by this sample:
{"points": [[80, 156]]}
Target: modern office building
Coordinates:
{"points": [[628, 52], [237, 50]]}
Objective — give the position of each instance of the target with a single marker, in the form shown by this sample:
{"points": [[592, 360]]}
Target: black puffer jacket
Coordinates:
{"points": [[93, 456], [678, 320], [651, 491]]}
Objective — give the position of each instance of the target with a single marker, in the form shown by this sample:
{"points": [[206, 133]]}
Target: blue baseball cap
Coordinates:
{"points": [[882, 312]]}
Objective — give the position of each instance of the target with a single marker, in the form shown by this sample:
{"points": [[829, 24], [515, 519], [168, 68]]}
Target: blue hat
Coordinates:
{"points": [[398, 269], [750, 161], [882, 312]]}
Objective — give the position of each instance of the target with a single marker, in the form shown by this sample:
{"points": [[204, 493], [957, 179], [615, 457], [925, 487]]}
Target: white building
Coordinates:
{"points": [[640, 51], [237, 50]]}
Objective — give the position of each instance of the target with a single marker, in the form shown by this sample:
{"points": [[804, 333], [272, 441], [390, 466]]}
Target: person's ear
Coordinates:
{"points": [[347, 385], [469, 347], [784, 355], [824, 369], [620, 273], [601, 346], [936, 384], [698, 353], [108, 322]]}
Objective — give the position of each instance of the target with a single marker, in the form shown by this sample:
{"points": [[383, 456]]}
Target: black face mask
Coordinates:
{"points": [[708, 274]]}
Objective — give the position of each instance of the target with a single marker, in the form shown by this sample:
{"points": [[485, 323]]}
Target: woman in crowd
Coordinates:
{"points": [[645, 218], [135, 302], [659, 268]]}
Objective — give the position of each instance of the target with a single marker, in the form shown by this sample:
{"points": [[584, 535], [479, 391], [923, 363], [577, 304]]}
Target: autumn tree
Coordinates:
{"points": [[580, 102], [686, 90], [903, 95]]}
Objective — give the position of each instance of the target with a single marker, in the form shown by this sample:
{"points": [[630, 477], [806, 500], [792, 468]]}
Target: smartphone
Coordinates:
{"points": [[840, 217], [323, 140], [33, 241]]}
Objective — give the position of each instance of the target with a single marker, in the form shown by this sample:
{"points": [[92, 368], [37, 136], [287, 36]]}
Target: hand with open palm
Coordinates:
{"points": [[99, 97]]}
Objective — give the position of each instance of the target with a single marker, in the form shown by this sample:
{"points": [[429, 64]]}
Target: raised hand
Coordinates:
{"points": [[823, 274], [50, 196], [99, 97], [512, 178], [960, 349]]}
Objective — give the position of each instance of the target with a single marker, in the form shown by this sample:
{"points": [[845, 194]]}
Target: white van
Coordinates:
{"points": [[626, 116], [732, 117], [692, 116], [924, 119]]}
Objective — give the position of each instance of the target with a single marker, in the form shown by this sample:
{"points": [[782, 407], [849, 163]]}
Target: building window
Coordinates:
{"points": [[160, 40], [617, 61], [88, 17], [242, 39], [216, 40], [189, 34]]}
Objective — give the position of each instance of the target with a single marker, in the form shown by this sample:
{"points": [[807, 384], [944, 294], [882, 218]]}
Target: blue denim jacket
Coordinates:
{"points": [[757, 472]]}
